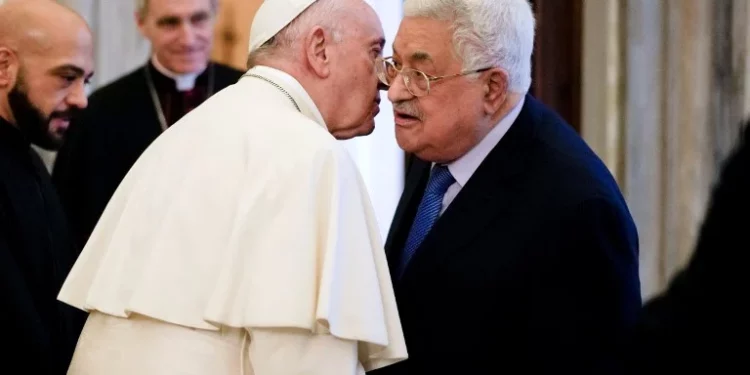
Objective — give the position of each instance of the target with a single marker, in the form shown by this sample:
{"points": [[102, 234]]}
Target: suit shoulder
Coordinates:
{"points": [[227, 70], [112, 90], [225, 74], [571, 165]]}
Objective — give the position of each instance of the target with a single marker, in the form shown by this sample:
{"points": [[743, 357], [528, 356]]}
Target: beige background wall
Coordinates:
{"points": [[233, 31], [665, 84]]}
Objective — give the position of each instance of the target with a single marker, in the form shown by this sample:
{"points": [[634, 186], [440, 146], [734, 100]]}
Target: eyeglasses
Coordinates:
{"points": [[416, 81]]}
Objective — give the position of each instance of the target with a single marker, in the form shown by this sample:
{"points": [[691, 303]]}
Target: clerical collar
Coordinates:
{"points": [[294, 88], [183, 82]]}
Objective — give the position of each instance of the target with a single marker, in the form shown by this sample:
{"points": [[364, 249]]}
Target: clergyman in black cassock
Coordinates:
{"points": [[512, 249]]}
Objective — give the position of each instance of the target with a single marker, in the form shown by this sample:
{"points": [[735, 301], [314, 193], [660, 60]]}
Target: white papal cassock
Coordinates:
{"points": [[242, 240]]}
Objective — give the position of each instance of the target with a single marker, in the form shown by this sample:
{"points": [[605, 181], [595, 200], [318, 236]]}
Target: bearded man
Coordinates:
{"points": [[46, 58]]}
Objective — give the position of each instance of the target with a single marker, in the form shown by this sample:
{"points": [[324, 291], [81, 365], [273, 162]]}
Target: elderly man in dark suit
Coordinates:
{"points": [[512, 249]]}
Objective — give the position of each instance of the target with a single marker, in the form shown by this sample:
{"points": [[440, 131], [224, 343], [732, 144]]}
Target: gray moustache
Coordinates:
{"points": [[407, 109]]}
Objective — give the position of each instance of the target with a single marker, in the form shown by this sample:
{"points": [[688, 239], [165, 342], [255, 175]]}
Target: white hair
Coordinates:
{"points": [[141, 7], [323, 13], [487, 33]]}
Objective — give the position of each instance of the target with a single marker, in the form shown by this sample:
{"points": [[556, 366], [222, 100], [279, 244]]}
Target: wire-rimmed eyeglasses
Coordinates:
{"points": [[416, 81]]}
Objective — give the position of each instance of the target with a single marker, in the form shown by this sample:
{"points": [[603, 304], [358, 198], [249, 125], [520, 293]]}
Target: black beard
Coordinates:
{"points": [[30, 119]]}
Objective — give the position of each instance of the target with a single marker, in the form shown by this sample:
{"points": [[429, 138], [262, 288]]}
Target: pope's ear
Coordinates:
{"points": [[140, 23], [317, 43]]}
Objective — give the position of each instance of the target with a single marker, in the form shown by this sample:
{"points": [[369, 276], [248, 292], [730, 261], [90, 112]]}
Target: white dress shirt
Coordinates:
{"points": [[464, 167]]}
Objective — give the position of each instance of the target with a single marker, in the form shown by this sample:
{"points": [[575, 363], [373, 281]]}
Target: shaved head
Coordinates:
{"points": [[46, 57], [32, 25]]}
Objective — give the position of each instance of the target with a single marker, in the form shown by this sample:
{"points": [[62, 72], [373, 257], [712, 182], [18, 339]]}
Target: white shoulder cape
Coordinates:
{"points": [[246, 213]]}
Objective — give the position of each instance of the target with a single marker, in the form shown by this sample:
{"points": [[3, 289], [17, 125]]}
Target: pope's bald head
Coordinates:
{"points": [[46, 57]]}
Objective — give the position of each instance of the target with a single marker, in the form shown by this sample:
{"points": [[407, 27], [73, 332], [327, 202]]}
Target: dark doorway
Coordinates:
{"points": [[556, 64]]}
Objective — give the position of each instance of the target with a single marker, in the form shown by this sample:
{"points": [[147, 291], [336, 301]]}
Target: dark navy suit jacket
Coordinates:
{"points": [[533, 268]]}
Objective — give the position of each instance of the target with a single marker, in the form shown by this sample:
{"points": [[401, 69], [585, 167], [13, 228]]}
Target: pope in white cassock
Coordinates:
{"points": [[243, 240]]}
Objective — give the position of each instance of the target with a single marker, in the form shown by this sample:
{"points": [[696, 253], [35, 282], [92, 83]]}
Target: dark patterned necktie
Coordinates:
{"points": [[427, 213]]}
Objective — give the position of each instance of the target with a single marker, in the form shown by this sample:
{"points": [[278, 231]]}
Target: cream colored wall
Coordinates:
{"points": [[233, 31], [601, 82], [662, 118]]}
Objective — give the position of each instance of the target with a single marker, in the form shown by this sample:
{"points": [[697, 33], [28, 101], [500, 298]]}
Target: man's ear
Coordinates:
{"points": [[495, 90], [8, 67], [316, 51], [140, 22]]}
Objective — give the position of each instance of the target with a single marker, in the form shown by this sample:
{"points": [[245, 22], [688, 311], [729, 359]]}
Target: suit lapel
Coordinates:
{"points": [[416, 181], [490, 190]]}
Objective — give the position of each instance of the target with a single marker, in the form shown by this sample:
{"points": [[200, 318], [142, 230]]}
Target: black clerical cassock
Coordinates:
{"points": [[121, 121], [35, 257]]}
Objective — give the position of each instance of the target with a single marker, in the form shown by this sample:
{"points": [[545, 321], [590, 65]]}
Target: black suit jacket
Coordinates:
{"points": [[102, 145], [533, 268], [700, 323], [35, 257]]}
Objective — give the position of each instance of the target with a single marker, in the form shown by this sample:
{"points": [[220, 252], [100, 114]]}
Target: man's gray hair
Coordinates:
{"points": [[141, 7], [323, 13], [487, 33]]}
